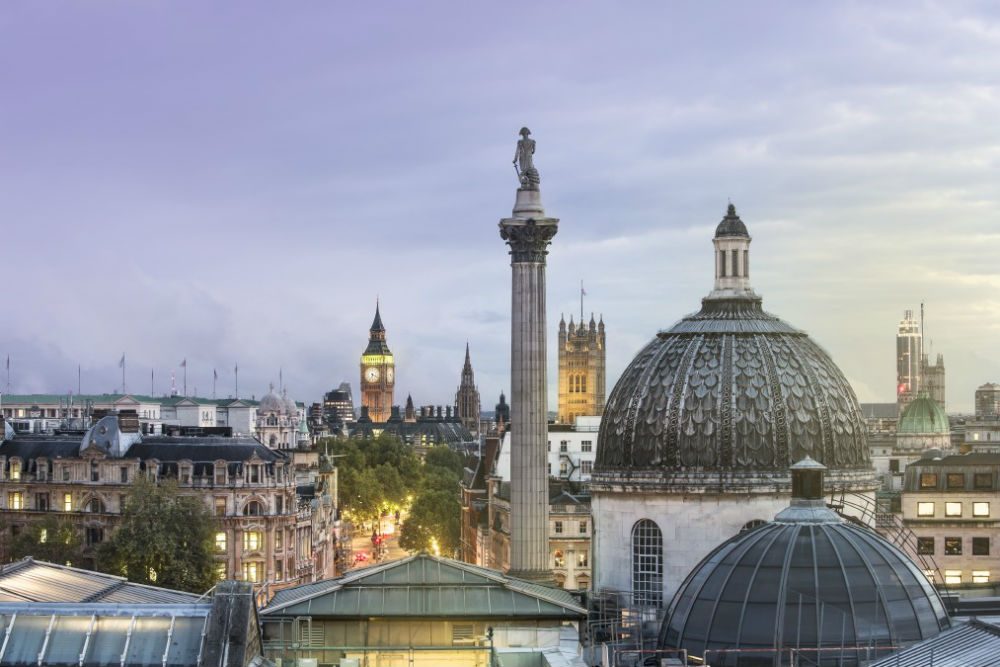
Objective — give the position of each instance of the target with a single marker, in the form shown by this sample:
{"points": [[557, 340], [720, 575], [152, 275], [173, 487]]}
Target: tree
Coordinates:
{"points": [[443, 456], [53, 539], [434, 518], [165, 539]]}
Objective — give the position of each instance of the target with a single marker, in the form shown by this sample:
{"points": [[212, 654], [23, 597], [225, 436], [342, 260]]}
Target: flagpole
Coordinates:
{"points": [[581, 302], [152, 383], [215, 377], [8, 373], [78, 379], [236, 372], [123, 375]]}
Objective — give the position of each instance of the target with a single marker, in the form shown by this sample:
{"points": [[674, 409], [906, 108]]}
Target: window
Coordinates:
{"points": [[42, 501], [67, 502], [980, 576], [559, 526], [220, 571], [893, 465], [956, 480], [647, 564], [220, 473], [252, 540], [583, 527], [95, 472], [15, 501], [722, 263], [123, 474], [982, 480], [252, 572], [563, 445], [95, 536], [980, 509], [586, 467], [278, 569], [558, 559], [94, 506], [15, 471], [255, 474], [65, 473], [279, 505], [925, 546], [253, 508], [928, 480], [953, 546], [582, 559], [463, 634], [278, 534], [980, 546], [586, 445], [925, 509], [750, 525], [952, 576], [735, 254], [564, 469], [220, 542], [220, 507], [953, 509], [746, 263]]}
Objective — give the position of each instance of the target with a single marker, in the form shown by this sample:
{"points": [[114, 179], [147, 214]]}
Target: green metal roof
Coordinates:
{"points": [[923, 415], [425, 586]]}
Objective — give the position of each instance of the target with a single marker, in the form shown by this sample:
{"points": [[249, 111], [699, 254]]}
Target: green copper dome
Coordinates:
{"points": [[923, 415]]}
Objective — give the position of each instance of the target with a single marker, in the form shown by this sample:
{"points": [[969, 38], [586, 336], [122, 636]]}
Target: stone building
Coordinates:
{"points": [[378, 373], [467, 405], [572, 450], [279, 421], [933, 379], [988, 401], [267, 535], [581, 369], [699, 433], [951, 505]]}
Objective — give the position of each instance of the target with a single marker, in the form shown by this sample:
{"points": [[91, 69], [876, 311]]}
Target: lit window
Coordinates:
{"points": [[67, 502], [220, 571], [43, 535], [928, 480], [980, 576], [952, 576], [925, 546], [220, 541], [152, 574], [559, 559], [956, 480], [953, 509], [252, 572], [559, 526], [953, 546], [583, 527], [251, 540], [581, 559], [925, 509], [15, 501], [15, 471], [930, 575], [980, 509]]}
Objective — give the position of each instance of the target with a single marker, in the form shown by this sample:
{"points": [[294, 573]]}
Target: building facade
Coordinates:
{"points": [[988, 401], [581, 369], [467, 404], [266, 536], [909, 357], [338, 408], [572, 450], [933, 379], [952, 505], [378, 373]]}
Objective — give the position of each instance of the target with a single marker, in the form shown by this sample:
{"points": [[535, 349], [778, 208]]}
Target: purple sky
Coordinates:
{"points": [[230, 182]]}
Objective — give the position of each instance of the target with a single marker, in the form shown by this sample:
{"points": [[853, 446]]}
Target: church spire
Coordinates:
{"points": [[377, 322]]}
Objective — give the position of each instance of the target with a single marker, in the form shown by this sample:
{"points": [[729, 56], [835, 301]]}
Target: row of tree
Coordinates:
{"points": [[384, 475]]}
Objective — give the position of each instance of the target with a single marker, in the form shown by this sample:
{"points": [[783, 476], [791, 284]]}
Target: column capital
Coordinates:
{"points": [[528, 239]]}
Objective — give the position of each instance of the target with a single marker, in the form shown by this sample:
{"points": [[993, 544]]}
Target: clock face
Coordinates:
{"points": [[389, 374], [371, 374]]}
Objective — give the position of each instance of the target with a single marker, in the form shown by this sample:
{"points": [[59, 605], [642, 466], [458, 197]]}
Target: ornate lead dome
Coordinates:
{"points": [[729, 393]]}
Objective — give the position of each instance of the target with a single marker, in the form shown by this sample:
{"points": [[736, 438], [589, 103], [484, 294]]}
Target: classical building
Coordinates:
{"points": [[699, 433], [279, 421], [572, 450], [429, 427], [581, 369], [378, 373], [267, 534], [952, 506], [909, 356], [467, 397]]}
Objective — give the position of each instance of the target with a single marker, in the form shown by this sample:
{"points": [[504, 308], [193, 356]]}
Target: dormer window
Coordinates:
{"points": [[15, 470], [220, 473]]}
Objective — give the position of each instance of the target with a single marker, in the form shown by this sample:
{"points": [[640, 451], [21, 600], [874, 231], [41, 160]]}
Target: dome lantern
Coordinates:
{"points": [[732, 258]]}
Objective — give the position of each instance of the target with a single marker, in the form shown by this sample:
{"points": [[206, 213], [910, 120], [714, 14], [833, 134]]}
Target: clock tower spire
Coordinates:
{"points": [[378, 372]]}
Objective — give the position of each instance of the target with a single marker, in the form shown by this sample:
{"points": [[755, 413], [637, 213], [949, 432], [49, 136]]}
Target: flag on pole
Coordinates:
{"points": [[8, 362], [184, 364], [215, 374], [121, 362]]}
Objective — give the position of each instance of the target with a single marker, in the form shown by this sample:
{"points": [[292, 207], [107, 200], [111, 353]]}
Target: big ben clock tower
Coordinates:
{"points": [[378, 373]]}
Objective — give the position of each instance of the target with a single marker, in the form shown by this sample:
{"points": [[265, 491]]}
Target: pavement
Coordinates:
{"points": [[363, 552]]}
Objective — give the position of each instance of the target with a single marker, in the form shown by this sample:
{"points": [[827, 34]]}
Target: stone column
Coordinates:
{"points": [[528, 232]]}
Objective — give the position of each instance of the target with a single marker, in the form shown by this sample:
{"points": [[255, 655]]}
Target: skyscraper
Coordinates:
{"points": [[581, 369], [378, 373], [467, 405], [909, 356], [528, 232], [988, 401]]}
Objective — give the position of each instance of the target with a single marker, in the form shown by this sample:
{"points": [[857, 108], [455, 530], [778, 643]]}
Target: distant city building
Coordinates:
{"points": [[909, 355], [431, 426], [581, 369], [572, 450], [378, 373], [269, 536], [338, 407], [501, 415], [922, 426], [279, 420], [467, 397], [933, 379], [988, 401]]}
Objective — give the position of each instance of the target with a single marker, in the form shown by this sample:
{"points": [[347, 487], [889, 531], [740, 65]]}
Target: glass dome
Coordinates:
{"points": [[807, 582]]}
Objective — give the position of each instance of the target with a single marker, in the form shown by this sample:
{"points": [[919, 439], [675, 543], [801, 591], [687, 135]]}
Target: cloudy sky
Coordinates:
{"points": [[237, 182]]}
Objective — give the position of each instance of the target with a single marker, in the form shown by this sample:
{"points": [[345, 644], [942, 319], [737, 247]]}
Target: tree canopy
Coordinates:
{"points": [[165, 539], [53, 539]]}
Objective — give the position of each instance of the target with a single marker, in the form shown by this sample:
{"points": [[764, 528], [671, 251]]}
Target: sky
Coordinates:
{"points": [[239, 182]]}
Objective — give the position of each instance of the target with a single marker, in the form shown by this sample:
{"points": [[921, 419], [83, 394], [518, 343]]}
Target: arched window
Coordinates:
{"points": [[583, 384], [253, 508], [647, 564], [94, 506], [750, 525]]}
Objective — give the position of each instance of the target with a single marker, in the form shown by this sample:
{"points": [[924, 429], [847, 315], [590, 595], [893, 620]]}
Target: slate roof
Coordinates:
{"points": [[162, 448], [99, 399], [29, 580], [50, 446], [425, 586], [972, 644]]}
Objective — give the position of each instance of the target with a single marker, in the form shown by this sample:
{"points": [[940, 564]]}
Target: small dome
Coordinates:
{"points": [[923, 415], [271, 402], [805, 580], [731, 225]]}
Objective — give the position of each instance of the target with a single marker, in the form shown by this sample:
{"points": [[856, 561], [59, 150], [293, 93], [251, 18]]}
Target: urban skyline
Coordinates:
{"points": [[217, 192]]}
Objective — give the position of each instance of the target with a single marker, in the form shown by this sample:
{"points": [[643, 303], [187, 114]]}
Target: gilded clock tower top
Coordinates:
{"points": [[378, 371]]}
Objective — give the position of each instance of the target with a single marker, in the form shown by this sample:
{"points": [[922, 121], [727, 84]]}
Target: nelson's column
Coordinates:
{"points": [[528, 232]]}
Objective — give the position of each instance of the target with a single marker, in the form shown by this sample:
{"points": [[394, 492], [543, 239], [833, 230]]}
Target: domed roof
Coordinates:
{"points": [[731, 225], [924, 416], [805, 580], [730, 391], [271, 402]]}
